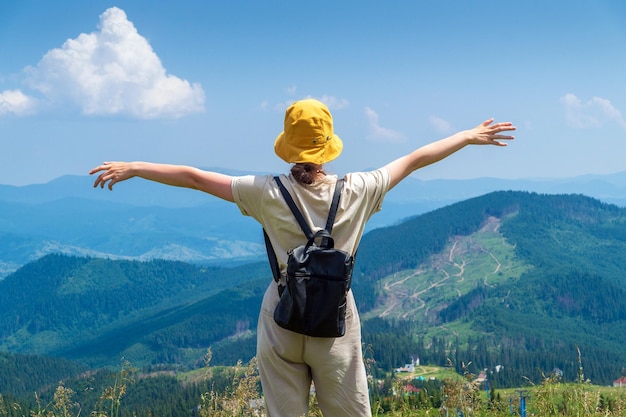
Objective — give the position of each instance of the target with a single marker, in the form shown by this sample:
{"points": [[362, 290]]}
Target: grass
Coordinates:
{"points": [[461, 395], [466, 262]]}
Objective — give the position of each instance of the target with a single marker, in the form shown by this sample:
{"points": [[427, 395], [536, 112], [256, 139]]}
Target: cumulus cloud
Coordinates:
{"points": [[377, 132], [113, 71], [15, 102], [593, 113], [442, 126]]}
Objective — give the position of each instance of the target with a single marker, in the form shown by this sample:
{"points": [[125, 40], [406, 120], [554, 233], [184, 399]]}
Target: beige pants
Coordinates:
{"points": [[288, 362]]}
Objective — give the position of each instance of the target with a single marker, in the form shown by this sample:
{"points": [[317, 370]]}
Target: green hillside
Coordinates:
{"points": [[510, 281], [482, 258], [98, 310]]}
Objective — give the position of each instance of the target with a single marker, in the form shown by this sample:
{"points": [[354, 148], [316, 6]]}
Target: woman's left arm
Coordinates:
{"points": [[486, 133], [210, 182]]}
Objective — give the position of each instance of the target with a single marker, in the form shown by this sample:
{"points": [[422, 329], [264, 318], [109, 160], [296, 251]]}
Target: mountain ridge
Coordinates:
{"points": [[144, 220], [507, 270]]}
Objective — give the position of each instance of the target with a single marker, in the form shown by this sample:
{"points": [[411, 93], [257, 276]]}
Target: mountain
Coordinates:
{"points": [[513, 281], [135, 192], [212, 233], [142, 220], [531, 276]]}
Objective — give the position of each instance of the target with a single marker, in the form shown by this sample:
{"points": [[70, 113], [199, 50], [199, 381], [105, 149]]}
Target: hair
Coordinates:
{"points": [[305, 173]]}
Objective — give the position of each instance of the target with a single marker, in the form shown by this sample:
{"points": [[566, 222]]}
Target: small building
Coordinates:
{"points": [[411, 390], [620, 382], [409, 367]]}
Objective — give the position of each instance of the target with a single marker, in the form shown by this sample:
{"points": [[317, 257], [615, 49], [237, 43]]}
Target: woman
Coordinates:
{"points": [[289, 361]]}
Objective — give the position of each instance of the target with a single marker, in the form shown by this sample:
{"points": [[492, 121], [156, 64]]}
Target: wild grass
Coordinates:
{"points": [[551, 397]]}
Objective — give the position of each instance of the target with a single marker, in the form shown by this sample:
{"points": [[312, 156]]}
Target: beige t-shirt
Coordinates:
{"points": [[260, 198]]}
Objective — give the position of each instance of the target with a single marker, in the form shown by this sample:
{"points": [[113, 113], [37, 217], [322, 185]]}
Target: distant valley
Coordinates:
{"points": [[142, 220]]}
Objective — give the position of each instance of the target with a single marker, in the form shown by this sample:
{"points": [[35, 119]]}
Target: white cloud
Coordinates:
{"points": [[282, 106], [379, 133], [15, 102], [441, 126], [594, 113], [114, 71], [332, 102]]}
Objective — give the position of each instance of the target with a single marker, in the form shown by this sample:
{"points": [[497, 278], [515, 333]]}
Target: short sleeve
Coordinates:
{"points": [[248, 193]]}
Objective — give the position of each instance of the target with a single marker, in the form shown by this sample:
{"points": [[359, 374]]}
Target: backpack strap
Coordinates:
{"points": [[298, 215], [333, 206], [271, 254], [294, 209]]}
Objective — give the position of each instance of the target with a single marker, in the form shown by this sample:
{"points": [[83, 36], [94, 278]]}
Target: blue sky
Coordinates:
{"points": [[207, 83]]}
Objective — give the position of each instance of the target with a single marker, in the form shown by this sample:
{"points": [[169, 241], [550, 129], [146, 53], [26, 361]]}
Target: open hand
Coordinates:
{"points": [[488, 133], [113, 172]]}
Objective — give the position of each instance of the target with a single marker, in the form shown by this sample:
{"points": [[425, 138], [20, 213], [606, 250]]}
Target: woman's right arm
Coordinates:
{"points": [[485, 133], [210, 182]]}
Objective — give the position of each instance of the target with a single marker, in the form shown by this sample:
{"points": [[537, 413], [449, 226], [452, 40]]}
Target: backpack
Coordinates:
{"points": [[313, 302]]}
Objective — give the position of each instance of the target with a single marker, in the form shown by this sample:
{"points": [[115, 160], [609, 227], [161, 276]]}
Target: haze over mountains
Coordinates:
{"points": [[143, 220]]}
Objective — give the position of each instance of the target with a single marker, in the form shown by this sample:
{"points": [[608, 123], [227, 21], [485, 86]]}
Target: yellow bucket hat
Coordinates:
{"points": [[308, 134]]}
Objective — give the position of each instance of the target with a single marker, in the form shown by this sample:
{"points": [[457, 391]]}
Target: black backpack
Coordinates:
{"points": [[318, 278]]}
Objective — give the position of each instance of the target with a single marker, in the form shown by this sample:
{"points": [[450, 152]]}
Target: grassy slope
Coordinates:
{"points": [[481, 258]]}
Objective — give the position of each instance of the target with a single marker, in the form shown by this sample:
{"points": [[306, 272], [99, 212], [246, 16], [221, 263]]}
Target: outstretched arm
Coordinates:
{"points": [[213, 183], [485, 133]]}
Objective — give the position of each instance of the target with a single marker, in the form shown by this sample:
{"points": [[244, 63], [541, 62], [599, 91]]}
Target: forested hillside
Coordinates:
{"points": [[98, 310], [518, 280], [511, 281]]}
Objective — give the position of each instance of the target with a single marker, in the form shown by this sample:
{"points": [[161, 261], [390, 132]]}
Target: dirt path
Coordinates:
{"points": [[401, 293]]}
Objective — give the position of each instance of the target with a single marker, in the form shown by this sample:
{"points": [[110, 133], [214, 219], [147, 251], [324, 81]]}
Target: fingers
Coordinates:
{"points": [[105, 166], [497, 127], [96, 169], [495, 130], [504, 126], [496, 139], [111, 184], [490, 133], [100, 181], [107, 175]]}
